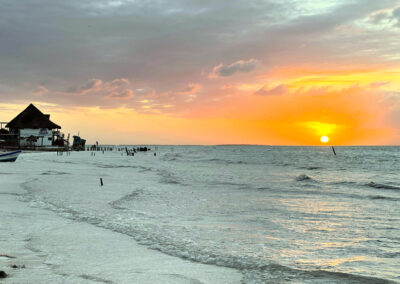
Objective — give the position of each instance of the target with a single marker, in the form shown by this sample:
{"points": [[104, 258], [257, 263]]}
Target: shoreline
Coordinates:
{"points": [[152, 223], [51, 249]]}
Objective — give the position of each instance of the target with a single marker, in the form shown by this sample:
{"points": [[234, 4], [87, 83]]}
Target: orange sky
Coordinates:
{"points": [[349, 107]]}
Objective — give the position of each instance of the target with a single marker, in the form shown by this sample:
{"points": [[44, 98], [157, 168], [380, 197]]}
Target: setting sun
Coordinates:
{"points": [[324, 139]]}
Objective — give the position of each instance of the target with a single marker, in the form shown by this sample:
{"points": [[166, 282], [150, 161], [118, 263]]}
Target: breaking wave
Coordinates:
{"points": [[303, 177], [310, 168], [382, 186], [380, 197], [141, 168], [171, 157], [54, 173], [118, 204], [222, 161]]}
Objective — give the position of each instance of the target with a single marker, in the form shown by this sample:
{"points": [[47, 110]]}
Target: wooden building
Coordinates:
{"points": [[32, 128]]}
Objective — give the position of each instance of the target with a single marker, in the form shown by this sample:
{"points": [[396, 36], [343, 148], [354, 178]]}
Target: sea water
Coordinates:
{"points": [[276, 214]]}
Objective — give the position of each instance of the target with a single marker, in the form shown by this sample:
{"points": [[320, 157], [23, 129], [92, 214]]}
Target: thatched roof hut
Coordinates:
{"points": [[32, 118]]}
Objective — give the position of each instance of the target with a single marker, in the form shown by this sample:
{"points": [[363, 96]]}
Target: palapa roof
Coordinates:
{"points": [[32, 117]]}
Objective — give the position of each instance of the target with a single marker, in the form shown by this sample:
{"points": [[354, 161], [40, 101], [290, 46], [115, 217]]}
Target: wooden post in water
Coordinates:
{"points": [[333, 149], [101, 181]]}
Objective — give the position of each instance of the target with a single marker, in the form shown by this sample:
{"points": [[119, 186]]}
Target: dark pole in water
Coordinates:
{"points": [[101, 181], [333, 149]]}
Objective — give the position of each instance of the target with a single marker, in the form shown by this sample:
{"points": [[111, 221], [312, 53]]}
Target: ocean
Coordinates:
{"points": [[275, 214]]}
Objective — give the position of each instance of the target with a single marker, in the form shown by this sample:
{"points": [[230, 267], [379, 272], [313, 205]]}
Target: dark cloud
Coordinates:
{"points": [[117, 88], [392, 17], [154, 42], [92, 84], [396, 15], [240, 66], [379, 17]]}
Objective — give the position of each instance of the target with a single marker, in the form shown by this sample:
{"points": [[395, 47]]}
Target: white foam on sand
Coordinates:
{"points": [[54, 249]]}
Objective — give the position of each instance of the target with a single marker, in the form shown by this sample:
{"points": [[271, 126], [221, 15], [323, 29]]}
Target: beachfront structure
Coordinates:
{"points": [[78, 143], [32, 128]]}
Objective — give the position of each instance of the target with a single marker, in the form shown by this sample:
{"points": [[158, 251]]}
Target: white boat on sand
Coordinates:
{"points": [[9, 156]]}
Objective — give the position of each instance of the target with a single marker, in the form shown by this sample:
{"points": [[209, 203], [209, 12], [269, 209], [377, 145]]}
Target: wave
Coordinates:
{"points": [[303, 177], [231, 184], [310, 168], [382, 186], [344, 194], [222, 161], [369, 184], [390, 255], [95, 279], [142, 168], [50, 172], [168, 177], [171, 157], [344, 182], [380, 197], [176, 156], [118, 204]]}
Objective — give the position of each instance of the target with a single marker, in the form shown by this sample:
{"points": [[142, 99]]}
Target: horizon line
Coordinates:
{"points": [[264, 145]]}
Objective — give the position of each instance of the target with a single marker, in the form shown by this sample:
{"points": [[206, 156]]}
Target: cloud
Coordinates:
{"points": [[120, 92], [396, 16], [125, 94], [91, 85], [379, 84], [190, 89], [173, 100], [275, 91], [143, 91], [317, 24], [117, 88], [240, 66], [40, 90], [389, 17]]}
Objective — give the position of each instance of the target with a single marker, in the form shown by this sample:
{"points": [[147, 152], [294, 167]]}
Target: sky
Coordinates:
{"points": [[271, 72]]}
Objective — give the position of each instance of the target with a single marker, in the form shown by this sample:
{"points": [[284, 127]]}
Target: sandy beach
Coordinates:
{"points": [[47, 248]]}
